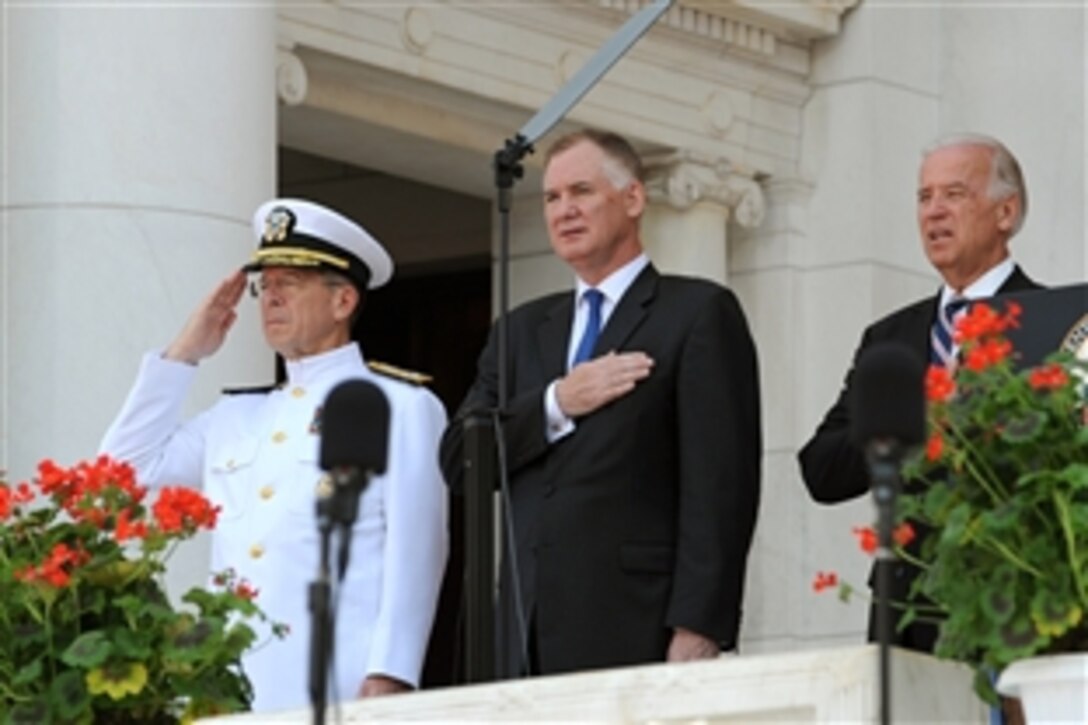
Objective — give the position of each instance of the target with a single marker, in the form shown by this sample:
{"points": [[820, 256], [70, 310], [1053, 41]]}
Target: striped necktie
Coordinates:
{"points": [[942, 347], [584, 351]]}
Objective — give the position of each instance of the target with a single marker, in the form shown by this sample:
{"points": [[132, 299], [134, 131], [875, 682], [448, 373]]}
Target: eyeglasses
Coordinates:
{"points": [[287, 286]]}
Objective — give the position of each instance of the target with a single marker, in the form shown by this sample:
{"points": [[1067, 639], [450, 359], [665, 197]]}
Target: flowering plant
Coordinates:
{"points": [[88, 633], [1000, 493]]}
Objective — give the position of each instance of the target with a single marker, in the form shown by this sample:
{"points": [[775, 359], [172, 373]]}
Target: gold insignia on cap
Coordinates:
{"points": [[408, 376], [297, 257], [278, 224]]}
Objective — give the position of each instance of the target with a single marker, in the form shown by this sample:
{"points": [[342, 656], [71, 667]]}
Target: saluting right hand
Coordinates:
{"points": [[596, 383], [207, 327]]}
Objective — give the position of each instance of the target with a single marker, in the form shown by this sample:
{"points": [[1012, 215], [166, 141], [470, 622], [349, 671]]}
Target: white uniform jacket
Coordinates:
{"points": [[256, 457]]}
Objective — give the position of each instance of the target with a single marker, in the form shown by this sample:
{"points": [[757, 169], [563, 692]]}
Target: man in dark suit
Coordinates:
{"points": [[971, 201], [634, 453]]}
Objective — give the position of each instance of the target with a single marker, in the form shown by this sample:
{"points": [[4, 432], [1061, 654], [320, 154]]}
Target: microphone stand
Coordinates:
{"points": [[321, 623], [507, 166], [340, 508], [884, 457]]}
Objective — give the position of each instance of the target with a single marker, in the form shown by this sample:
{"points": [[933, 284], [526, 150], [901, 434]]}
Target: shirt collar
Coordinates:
{"points": [[985, 286], [312, 368], [615, 285]]}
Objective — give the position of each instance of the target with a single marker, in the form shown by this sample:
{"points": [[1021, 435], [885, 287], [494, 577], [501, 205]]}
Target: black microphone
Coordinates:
{"points": [[887, 416], [354, 443], [354, 446], [887, 404], [355, 429]]}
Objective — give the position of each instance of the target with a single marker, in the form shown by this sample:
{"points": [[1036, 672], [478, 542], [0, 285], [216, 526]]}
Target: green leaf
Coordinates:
{"points": [[1025, 427], [132, 645], [89, 650], [1054, 612], [956, 524], [1001, 520], [239, 638], [195, 643], [34, 712], [999, 601], [1076, 474], [69, 694], [29, 673], [904, 621], [1016, 639], [985, 688], [937, 498], [203, 599]]}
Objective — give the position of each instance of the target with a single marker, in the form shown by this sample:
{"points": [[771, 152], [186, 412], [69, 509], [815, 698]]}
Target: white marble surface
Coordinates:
{"points": [[1052, 688], [691, 242], [164, 106], [885, 42], [137, 140], [818, 686]]}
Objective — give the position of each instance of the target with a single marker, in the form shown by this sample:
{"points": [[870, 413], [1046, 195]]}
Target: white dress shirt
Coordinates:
{"points": [[612, 288]]}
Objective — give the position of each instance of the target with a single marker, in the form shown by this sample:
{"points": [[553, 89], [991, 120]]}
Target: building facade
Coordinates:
{"points": [[782, 139]]}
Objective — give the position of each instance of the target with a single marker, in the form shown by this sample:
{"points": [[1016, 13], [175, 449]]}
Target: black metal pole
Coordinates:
{"points": [[320, 622], [479, 493], [885, 474]]}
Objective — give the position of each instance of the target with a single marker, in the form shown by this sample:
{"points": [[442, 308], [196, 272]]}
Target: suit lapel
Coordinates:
{"points": [[553, 337], [920, 327], [1018, 282], [630, 312]]}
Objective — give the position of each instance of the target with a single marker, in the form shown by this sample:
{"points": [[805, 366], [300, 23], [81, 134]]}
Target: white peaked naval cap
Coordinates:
{"points": [[298, 233]]}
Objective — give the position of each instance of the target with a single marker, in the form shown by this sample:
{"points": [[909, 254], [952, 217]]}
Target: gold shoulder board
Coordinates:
{"points": [[392, 371]]}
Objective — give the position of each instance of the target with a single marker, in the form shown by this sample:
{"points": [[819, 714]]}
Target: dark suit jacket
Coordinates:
{"points": [[641, 519], [834, 470]]}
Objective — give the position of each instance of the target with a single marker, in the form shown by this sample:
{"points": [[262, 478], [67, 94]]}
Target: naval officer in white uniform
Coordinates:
{"points": [[255, 455]]}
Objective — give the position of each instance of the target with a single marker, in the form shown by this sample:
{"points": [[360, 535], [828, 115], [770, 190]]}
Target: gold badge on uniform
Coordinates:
{"points": [[315, 424], [278, 224], [324, 487]]}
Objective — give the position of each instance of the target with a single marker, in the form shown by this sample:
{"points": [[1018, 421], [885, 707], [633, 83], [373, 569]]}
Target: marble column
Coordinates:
{"points": [[693, 198], [136, 143]]}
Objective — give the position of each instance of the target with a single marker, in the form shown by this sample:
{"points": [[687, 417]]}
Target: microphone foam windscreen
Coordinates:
{"points": [[888, 396], [355, 427]]}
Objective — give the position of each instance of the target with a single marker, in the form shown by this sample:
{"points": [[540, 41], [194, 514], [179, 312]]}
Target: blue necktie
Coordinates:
{"points": [[942, 349], [593, 326]]}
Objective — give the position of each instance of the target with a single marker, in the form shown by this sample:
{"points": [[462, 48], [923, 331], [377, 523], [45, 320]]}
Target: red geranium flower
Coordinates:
{"points": [[867, 539], [179, 509], [935, 446], [1048, 377], [939, 384], [825, 580], [903, 534], [245, 590], [982, 355]]}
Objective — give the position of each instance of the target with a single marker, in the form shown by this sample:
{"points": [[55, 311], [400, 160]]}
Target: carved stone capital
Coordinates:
{"points": [[417, 30], [755, 26], [683, 178], [292, 81]]}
